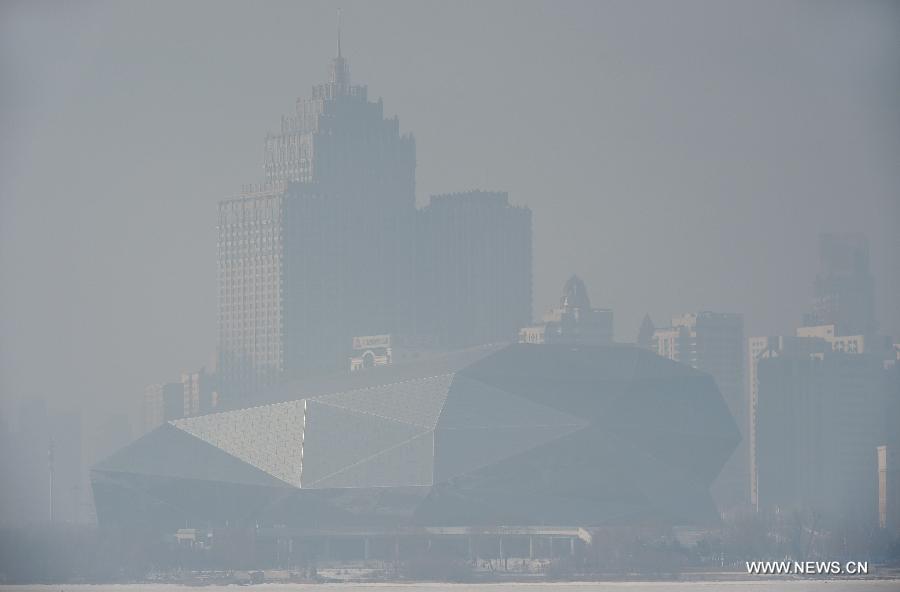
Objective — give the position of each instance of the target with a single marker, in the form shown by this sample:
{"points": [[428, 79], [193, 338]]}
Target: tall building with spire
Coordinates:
{"points": [[323, 250], [340, 142]]}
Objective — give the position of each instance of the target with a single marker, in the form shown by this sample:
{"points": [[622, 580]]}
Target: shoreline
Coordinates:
{"points": [[277, 579]]}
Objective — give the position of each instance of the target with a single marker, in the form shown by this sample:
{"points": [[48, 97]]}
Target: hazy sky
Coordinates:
{"points": [[680, 156]]}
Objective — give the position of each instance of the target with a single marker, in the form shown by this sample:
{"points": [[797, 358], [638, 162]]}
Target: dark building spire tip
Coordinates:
{"points": [[339, 32]]}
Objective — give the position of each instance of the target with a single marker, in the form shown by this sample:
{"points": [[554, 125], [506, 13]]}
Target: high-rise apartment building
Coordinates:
{"points": [[713, 342], [473, 270]]}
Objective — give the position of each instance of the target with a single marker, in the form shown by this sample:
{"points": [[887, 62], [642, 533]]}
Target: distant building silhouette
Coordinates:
{"points": [[332, 247], [44, 465], [574, 321], [762, 348], [162, 402], [820, 421], [67, 466], [841, 321], [200, 392], [473, 268], [645, 333], [195, 394], [324, 250], [844, 287], [889, 453]]}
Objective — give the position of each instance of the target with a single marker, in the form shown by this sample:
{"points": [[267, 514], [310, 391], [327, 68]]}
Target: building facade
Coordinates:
{"points": [[473, 269], [762, 348], [889, 453], [196, 393], [844, 293], [200, 392], [331, 246], [324, 249], [162, 402], [841, 321], [820, 421]]}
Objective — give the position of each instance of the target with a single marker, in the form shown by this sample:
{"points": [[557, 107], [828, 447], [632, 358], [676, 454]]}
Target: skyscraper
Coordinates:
{"points": [[645, 333], [339, 141], [844, 287], [323, 250], [841, 320], [473, 270]]}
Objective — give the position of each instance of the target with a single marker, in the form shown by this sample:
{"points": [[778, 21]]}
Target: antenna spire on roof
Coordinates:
{"points": [[338, 32]]}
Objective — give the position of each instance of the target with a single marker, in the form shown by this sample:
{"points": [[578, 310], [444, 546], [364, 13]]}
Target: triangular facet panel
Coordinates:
{"points": [[459, 451], [688, 405], [269, 437], [651, 366], [409, 464], [338, 438], [580, 380], [171, 453], [561, 361], [417, 402], [473, 404]]}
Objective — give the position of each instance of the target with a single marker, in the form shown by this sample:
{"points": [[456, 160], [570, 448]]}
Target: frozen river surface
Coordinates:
{"points": [[833, 585]]}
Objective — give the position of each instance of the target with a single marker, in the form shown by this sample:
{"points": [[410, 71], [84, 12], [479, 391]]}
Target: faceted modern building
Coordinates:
{"points": [[574, 322], [714, 342], [519, 435], [473, 269]]}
